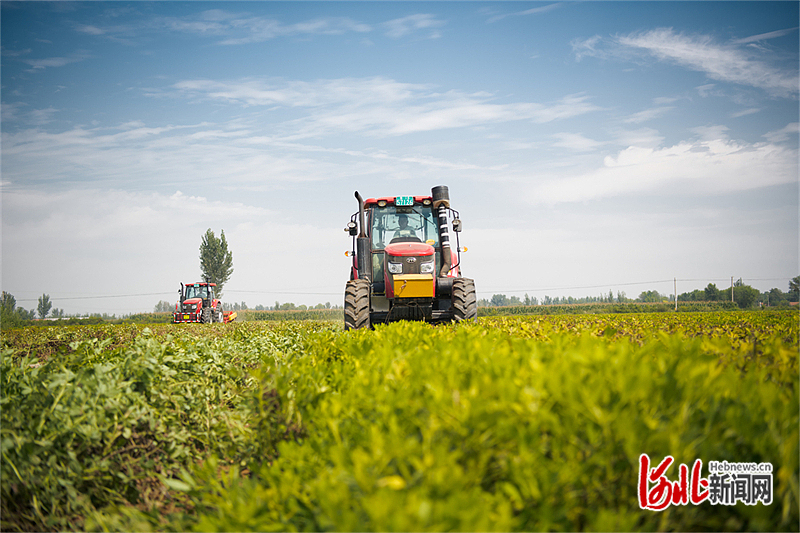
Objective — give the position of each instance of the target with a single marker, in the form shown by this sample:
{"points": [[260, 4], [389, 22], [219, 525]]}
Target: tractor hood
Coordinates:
{"points": [[409, 249], [192, 301]]}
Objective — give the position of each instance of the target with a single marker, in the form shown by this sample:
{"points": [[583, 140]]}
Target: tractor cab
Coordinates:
{"points": [[201, 291], [390, 224]]}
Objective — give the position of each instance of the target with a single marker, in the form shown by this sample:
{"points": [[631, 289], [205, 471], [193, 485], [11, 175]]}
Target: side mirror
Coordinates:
{"points": [[457, 225], [351, 228]]}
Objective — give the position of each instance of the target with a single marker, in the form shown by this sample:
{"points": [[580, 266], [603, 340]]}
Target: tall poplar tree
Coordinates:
{"points": [[216, 261], [44, 305]]}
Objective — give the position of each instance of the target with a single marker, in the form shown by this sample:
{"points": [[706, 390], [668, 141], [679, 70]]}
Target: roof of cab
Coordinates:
{"points": [[390, 199]]}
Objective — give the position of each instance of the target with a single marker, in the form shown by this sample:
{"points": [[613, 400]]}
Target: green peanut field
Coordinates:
{"points": [[523, 423]]}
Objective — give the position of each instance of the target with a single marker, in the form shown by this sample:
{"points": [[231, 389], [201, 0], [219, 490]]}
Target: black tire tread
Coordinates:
{"points": [[356, 304], [465, 303]]}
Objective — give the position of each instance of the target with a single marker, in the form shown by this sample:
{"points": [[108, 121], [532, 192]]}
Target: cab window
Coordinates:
{"points": [[402, 224], [197, 292]]}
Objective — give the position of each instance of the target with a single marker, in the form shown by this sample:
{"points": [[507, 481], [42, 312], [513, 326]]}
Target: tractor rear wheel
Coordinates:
{"points": [[356, 304], [465, 304]]}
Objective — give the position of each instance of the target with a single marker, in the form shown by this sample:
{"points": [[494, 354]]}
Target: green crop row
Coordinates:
{"points": [[593, 308], [510, 423], [106, 419], [292, 314]]}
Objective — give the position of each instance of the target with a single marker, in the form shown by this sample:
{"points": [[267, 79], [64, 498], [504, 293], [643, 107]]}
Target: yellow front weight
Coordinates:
{"points": [[413, 286]]}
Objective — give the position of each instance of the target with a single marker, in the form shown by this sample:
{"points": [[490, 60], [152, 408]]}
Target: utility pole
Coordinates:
{"points": [[731, 289], [676, 293]]}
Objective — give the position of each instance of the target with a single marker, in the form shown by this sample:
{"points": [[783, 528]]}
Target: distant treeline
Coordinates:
{"points": [[605, 308], [744, 296]]}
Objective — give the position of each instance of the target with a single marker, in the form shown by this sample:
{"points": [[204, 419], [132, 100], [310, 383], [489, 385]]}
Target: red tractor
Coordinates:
{"points": [[197, 304], [403, 265]]}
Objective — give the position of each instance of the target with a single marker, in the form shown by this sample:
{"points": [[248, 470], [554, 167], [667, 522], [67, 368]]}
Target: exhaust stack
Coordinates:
{"points": [[363, 261], [441, 203]]}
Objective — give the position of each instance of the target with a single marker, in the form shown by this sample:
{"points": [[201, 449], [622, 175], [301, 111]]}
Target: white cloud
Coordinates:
{"points": [[711, 133], [15, 53], [224, 154], [413, 23], [50, 62], [709, 89], [642, 138], [236, 155], [90, 29], [647, 115], [526, 12], [729, 62], [745, 112], [41, 117], [717, 61], [665, 100], [11, 112], [783, 134], [576, 142], [19, 113], [301, 93], [379, 106], [587, 47], [765, 36], [709, 166], [232, 27], [258, 29]]}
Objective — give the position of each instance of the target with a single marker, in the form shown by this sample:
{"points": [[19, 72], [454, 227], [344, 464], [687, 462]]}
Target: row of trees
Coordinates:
{"points": [[11, 315], [501, 300], [745, 296]]}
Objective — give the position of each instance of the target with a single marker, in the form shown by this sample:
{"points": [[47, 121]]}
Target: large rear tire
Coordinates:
{"points": [[356, 304], [465, 304]]}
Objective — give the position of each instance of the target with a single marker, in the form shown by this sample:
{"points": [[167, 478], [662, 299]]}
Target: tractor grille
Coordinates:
{"points": [[411, 265], [411, 310]]}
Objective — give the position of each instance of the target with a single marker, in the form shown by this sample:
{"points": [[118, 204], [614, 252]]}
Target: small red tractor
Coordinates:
{"points": [[197, 304], [403, 266]]}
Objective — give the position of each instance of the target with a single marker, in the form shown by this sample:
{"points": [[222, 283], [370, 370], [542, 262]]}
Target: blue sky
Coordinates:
{"points": [[589, 146]]}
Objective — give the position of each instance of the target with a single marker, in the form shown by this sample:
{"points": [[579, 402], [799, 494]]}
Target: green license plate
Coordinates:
{"points": [[403, 201]]}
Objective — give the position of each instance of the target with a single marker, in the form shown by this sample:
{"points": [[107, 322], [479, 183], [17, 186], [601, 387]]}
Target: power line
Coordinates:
{"points": [[288, 292], [53, 298]]}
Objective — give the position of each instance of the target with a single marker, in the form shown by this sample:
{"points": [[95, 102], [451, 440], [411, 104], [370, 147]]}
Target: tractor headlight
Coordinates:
{"points": [[425, 268], [395, 268]]}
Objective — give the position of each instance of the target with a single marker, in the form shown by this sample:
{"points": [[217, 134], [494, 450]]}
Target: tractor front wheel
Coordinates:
{"points": [[356, 304], [465, 304], [205, 318]]}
